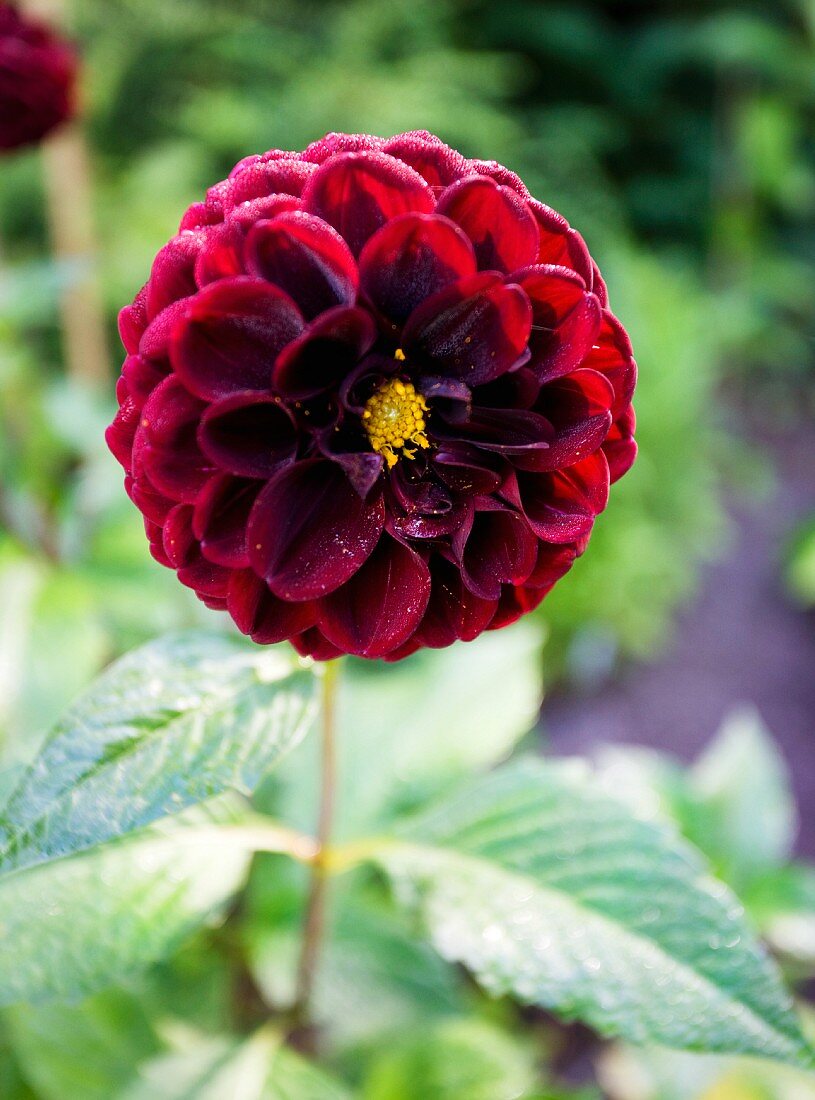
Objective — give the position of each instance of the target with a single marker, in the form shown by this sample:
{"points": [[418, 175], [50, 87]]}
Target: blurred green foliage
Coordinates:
{"points": [[677, 138], [800, 566]]}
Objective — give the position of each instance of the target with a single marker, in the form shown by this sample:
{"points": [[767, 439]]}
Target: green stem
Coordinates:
{"points": [[314, 922]]}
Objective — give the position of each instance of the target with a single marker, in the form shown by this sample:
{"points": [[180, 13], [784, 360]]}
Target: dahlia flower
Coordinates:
{"points": [[373, 397], [37, 74]]}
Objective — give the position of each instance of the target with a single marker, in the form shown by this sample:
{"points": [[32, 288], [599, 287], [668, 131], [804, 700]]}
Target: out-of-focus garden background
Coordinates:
{"points": [[679, 138]]}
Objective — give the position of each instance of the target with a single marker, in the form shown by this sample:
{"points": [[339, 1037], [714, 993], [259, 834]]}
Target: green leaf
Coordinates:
{"points": [[376, 978], [409, 730], [715, 803], [171, 724], [800, 569], [459, 1058], [549, 889], [76, 925], [195, 985], [261, 1068], [782, 902], [747, 820], [44, 660], [12, 1084], [89, 1050]]}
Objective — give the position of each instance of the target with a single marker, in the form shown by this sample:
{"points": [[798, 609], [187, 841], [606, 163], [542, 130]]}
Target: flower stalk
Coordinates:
{"points": [[315, 915]]}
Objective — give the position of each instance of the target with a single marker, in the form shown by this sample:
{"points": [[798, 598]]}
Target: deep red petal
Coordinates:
{"points": [[305, 257], [611, 354], [424, 507], [598, 285], [166, 446], [466, 469], [381, 605], [333, 144], [362, 468], [453, 611], [267, 177], [474, 329], [230, 335], [246, 214], [509, 609], [325, 353], [505, 431], [358, 192], [220, 516], [554, 291], [177, 536], [559, 243], [142, 376], [309, 531], [270, 156], [497, 220], [620, 447], [153, 505], [498, 172], [156, 543], [248, 434], [411, 258], [435, 162], [222, 258], [199, 215], [553, 562], [561, 506], [500, 549], [311, 643], [182, 548], [567, 347], [565, 318], [133, 321], [579, 408], [122, 432], [155, 340], [173, 273], [263, 616]]}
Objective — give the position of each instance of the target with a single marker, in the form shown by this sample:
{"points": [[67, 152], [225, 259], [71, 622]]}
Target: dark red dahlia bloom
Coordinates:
{"points": [[373, 398], [37, 76]]}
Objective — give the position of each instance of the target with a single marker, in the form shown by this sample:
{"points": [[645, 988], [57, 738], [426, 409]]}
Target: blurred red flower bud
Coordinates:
{"points": [[37, 79]]}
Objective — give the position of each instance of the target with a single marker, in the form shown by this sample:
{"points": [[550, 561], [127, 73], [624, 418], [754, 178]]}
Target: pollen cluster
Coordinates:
{"points": [[394, 419]]}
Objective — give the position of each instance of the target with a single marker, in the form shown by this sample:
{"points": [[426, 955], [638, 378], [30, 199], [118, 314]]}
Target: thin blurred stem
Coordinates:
{"points": [[66, 167], [314, 922], [68, 180]]}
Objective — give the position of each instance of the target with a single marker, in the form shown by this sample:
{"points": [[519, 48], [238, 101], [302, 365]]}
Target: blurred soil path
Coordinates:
{"points": [[742, 640]]}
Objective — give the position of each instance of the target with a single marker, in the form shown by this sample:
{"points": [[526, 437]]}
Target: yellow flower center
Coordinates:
{"points": [[394, 418]]}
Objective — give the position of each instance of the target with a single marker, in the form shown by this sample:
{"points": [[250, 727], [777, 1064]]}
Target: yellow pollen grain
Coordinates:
{"points": [[394, 418]]}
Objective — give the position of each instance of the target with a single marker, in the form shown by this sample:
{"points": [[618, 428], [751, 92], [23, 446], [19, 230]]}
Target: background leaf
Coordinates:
{"points": [[89, 1050], [377, 979], [260, 1068], [409, 730], [782, 902], [456, 1059], [549, 889], [747, 819]]}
